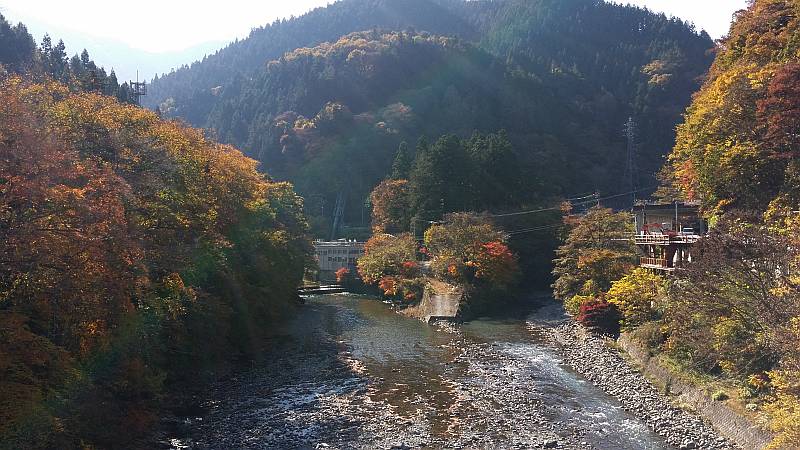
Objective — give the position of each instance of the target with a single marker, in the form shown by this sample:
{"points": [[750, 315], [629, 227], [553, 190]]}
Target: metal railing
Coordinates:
{"points": [[665, 239], [658, 262]]}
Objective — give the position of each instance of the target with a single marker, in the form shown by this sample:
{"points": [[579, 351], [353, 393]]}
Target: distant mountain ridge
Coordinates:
{"points": [[571, 73], [119, 56]]}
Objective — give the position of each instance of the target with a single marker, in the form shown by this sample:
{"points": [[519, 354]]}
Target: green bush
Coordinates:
{"points": [[719, 396]]}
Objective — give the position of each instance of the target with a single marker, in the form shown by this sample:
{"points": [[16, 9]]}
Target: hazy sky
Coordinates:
{"points": [[714, 16], [169, 25], [157, 25]]}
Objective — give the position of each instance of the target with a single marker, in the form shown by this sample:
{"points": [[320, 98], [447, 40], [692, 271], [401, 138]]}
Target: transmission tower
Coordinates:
{"points": [[138, 89], [631, 171]]}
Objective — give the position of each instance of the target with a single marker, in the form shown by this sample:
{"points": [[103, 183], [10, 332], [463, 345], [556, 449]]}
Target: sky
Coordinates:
{"points": [[714, 16], [157, 25], [156, 35]]}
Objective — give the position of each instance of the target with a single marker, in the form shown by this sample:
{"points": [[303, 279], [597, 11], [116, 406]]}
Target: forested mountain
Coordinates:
{"points": [[738, 148], [325, 103], [734, 312], [19, 54]]}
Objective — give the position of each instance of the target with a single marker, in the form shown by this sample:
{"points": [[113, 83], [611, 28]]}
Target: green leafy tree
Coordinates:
{"points": [[401, 167], [441, 180]]}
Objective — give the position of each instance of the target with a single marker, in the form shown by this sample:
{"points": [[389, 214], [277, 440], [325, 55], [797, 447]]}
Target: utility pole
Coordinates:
{"points": [[631, 171]]}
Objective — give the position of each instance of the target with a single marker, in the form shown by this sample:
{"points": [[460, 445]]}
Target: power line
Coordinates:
{"points": [[522, 213], [591, 199], [534, 229], [619, 195]]}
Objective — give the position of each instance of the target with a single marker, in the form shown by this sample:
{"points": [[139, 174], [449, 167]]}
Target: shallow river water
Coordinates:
{"points": [[349, 372]]}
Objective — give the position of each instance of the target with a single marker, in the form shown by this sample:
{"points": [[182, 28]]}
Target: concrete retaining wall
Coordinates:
{"points": [[441, 301], [731, 424]]}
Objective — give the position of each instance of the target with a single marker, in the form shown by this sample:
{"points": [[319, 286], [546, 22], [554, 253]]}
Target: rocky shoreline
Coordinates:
{"points": [[604, 366]]}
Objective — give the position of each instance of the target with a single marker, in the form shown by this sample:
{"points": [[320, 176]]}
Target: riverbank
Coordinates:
{"points": [[605, 367], [735, 424]]}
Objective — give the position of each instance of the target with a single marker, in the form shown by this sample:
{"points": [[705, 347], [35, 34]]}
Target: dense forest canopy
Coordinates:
{"points": [[135, 253], [324, 103], [738, 145]]}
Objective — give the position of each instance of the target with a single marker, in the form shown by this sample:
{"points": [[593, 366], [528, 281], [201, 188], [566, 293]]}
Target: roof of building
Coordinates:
{"points": [[658, 206], [338, 243]]}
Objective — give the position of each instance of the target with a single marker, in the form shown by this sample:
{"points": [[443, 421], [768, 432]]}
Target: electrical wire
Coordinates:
{"points": [[590, 199]]}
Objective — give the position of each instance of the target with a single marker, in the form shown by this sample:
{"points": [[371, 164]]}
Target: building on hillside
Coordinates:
{"points": [[666, 233], [334, 255]]}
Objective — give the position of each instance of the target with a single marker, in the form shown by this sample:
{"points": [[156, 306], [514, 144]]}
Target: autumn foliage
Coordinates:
{"points": [[390, 206], [342, 275], [600, 316], [134, 251], [387, 255]]}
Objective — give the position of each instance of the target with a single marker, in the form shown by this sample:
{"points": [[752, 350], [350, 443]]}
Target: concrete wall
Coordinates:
{"points": [[731, 424], [441, 301]]}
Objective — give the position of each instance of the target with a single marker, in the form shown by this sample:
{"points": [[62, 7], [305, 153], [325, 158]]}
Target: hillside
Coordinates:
{"points": [[738, 147], [561, 77], [137, 256], [331, 117]]}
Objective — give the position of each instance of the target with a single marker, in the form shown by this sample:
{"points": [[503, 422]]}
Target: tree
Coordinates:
{"points": [[58, 62], [46, 49], [441, 180], [386, 256], [17, 47], [638, 296], [401, 167], [500, 172], [731, 307], [494, 264], [135, 251], [391, 209], [111, 86], [600, 316], [468, 248], [595, 253], [779, 112]]}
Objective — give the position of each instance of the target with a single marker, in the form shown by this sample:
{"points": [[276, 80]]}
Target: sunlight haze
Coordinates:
{"points": [[158, 26]]}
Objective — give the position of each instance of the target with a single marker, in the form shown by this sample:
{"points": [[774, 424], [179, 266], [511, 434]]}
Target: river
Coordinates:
{"points": [[349, 372]]}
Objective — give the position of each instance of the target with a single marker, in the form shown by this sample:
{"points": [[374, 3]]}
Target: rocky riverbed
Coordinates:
{"points": [[351, 373], [593, 358]]}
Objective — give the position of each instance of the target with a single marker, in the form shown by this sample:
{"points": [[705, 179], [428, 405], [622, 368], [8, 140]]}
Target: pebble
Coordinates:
{"points": [[590, 356]]}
